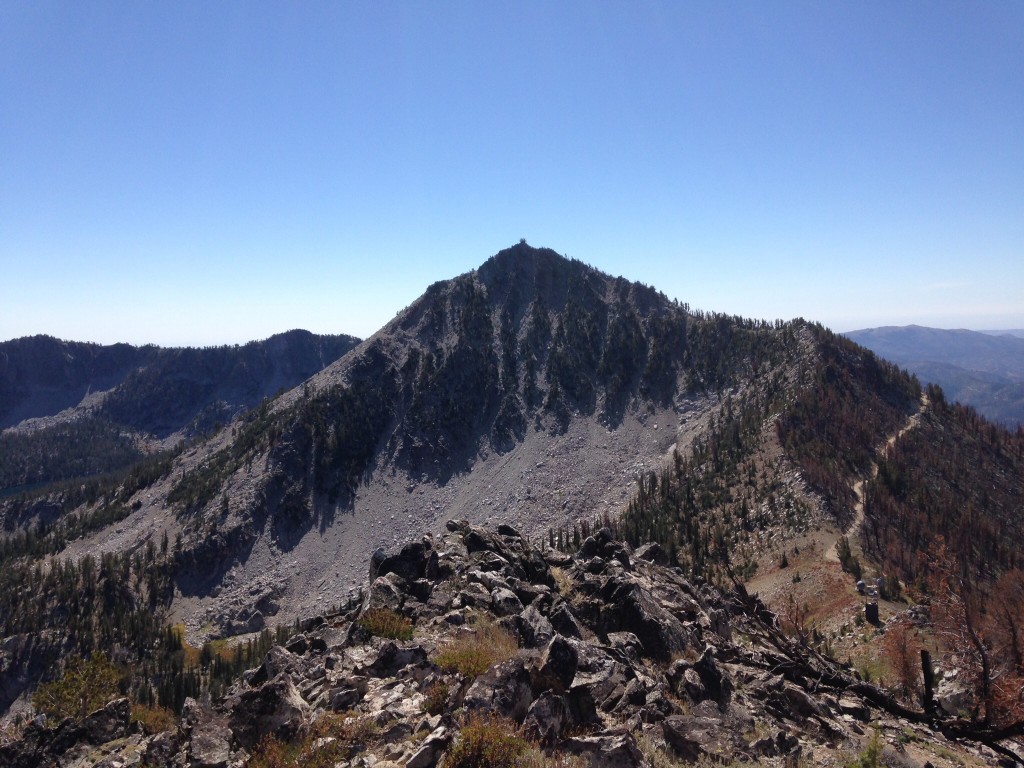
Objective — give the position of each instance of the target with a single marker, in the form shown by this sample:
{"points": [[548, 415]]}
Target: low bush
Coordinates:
{"points": [[870, 756], [85, 686], [487, 743], [330, 740], [473, 654], [153, 719], [436, 698], [383, 622]]}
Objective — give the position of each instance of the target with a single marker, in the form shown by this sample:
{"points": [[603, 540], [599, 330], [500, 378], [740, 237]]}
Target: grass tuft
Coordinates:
{"points": [[154, 719], [436, 698], [487, 743], [330, 740], [473, 654], [383, 622]]}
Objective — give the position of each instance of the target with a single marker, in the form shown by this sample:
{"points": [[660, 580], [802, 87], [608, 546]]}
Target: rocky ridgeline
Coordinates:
{"points": [[617, 661]]}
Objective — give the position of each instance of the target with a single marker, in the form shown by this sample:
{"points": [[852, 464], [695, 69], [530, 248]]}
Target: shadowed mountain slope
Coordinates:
{"points": [[80, 409]]}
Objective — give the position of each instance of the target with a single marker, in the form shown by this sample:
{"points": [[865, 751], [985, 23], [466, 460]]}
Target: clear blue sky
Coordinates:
{"points": [[204, 173]]}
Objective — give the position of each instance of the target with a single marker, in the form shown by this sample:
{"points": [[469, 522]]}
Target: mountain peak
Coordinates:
{"points": [[524, 255]]}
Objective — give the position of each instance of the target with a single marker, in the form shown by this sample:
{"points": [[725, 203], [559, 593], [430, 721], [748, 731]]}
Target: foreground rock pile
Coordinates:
{"points": [[613, 660]]}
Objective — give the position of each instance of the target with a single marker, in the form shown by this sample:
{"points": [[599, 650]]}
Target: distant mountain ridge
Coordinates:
{"points": [[984, 369], [82, 408], [41, 375]]}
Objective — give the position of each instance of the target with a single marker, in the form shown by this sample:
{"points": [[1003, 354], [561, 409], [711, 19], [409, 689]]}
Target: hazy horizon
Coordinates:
{"points": [[1019, 332]]}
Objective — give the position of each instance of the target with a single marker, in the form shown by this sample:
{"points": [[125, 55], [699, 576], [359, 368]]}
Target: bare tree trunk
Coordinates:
{"points": [[929, 691]]}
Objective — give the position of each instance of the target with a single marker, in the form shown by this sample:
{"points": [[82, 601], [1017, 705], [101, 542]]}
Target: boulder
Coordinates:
{"points": [[274, 708], [28, 750], [631, 608], [252, 622], [385, 592], [209, 745], [564, 621], [504, 689], [707, 730], [855, 708], [701, 680], [557, 666], [109, 723], [652, 553], [440, 600], [597, 670], [527, 592], [474, 596], [618, 553], [348, 692], [297, 644], [505, 603], [416, 560], [608, 750], [421, 589], [793, 702], [626, 646], [588, 548], [391, 658], [278, 661], [534, 628], [162, 748], [431, 749], [547, 718], [718, 622]]}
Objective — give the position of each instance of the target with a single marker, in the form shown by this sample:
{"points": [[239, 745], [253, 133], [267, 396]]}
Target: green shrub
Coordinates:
{"points": [[84, 687], [870, 756], [383, 622], [847, 559]]}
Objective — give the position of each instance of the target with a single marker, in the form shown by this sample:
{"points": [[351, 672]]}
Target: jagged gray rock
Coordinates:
{"points": [[557, 666], [504, 688], [274, 708], [608, 690]]}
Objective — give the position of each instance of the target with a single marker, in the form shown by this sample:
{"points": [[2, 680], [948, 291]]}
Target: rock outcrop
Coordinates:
{"points": [[612, 658]]}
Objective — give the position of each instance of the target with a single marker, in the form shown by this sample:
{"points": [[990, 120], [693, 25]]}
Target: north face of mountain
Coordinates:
{"points": [[525, 344]]}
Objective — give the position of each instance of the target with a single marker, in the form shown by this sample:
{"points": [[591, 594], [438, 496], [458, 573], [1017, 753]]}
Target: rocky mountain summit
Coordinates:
{"points": [[474, 641], [532, 390]]}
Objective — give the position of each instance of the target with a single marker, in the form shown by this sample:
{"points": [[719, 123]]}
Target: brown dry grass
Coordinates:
{"points": [[474, 653]]}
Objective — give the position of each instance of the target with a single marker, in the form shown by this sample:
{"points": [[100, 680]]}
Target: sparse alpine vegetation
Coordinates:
{"points": [[644, 667]]}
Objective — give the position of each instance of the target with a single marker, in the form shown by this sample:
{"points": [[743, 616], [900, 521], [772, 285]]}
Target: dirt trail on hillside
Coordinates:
{"points": [[853, 531]]}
